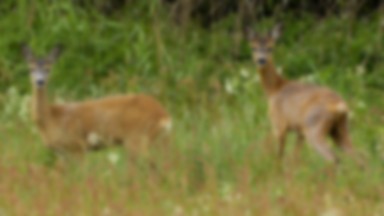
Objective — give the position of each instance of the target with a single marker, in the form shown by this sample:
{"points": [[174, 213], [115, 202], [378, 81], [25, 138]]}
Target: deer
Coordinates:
{"points": [[315, 113], [135, 121]]}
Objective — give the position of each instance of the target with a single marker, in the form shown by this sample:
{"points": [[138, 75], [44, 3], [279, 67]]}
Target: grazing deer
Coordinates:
{"points": [[313, 112], [134, 121]]}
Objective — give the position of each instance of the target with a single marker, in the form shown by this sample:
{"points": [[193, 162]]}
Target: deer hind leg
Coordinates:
{"points": [[340, 135], [316, 132], [342, 139], [318, 141]]}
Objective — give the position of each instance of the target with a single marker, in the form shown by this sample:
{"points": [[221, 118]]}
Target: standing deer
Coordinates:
{"points": [[313, 112], [135, 121]]}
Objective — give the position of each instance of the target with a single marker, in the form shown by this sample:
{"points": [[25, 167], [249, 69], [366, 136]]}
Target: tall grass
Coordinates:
{"points": [[222, 158]]}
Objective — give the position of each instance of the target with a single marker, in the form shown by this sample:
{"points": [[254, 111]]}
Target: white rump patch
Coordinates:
{"points": [[166, 124], [341, 107], [93, 139]]}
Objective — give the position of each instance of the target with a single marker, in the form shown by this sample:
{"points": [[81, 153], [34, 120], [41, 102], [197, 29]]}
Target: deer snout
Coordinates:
{"points": [[40, 82], [39, 78], [261, 61], [260, 58]]}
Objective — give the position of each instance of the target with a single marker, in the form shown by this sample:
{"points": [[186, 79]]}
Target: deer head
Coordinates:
{"points": [[262, 45], [40, 67]]}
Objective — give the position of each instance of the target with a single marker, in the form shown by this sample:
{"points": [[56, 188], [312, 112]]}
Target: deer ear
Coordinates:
{"points": [[55, 53], [27, 52], [276, 31]]}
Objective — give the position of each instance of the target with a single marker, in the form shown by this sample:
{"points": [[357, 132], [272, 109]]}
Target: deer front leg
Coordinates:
{"points": [[279, 128], [281, 138], [298, 146]]}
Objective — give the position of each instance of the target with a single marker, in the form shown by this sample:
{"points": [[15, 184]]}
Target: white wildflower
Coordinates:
{"points": [[113, 158], [229, 87], [244, 73]]}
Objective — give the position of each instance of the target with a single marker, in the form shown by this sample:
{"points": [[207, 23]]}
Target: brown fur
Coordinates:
{"points": [[313, 112], [132, 120]]}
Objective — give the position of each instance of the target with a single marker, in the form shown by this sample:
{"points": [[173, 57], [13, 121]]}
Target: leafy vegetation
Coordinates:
{"points": [[222, 160]]}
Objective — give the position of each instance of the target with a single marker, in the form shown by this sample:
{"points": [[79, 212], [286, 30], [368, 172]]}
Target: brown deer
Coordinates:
{"points": [[135, 121], [313, 112]]}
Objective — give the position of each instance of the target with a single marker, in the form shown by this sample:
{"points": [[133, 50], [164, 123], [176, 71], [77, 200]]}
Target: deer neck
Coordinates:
{"points": [[40, 107], [270, 79]]}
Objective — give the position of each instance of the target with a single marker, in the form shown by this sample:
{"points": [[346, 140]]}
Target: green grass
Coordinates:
{"points": [[221, 163], [222, 160]]}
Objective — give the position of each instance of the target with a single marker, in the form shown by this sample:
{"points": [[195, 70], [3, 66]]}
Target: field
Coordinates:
{"points": [[222, 159]]}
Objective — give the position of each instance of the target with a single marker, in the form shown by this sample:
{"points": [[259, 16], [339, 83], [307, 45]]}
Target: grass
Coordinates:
{"points": [[222, 160], [221, 163]]}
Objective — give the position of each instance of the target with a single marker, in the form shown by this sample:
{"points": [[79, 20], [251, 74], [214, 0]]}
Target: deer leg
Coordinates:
{"points": [[280, 135], [343, 141], [282, 139], [317, 138], [341, 137], [132, 145], [61, 159], [279, 127], [299, 145]]}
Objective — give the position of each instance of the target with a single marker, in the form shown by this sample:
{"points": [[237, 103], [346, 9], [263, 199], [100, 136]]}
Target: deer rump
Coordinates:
{"points": [[299, 106]]}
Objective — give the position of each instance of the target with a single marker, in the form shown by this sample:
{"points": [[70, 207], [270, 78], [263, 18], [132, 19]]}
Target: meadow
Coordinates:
{"points": [[222, 159]]}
